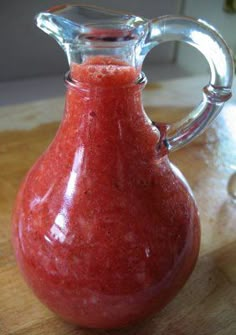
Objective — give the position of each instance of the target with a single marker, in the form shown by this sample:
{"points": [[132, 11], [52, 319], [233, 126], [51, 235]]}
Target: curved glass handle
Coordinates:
{"points": [[208, 41]]}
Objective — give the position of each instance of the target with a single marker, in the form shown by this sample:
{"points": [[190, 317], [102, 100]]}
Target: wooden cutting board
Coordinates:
{"points": [[207, 303]]}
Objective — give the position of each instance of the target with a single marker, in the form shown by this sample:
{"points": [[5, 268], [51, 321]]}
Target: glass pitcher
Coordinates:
{"points": [[105, 229]]}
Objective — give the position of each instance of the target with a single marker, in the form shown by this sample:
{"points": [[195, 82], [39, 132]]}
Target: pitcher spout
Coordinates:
{"points": [[84, 31]]}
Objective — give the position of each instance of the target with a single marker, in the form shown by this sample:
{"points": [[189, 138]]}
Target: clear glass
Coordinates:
{"points": [[83, 31], [105, 229], [208, 41]]}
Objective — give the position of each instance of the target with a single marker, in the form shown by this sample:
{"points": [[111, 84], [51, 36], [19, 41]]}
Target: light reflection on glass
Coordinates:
{"points": [[211, 49], [59, 229]]}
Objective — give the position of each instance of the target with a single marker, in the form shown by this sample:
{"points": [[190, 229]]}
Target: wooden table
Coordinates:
{"points": [[207, 303]]}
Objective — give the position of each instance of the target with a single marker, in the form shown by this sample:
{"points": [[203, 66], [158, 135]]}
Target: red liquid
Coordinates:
{"points": [[105, 231]]}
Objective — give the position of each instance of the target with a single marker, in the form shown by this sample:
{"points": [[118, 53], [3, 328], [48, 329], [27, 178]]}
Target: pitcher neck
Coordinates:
{"points": [[110, 101], [103, 117]]}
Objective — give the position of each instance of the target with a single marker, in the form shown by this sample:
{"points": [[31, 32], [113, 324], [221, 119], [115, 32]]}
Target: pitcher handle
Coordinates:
{"points": [[208, 41]]}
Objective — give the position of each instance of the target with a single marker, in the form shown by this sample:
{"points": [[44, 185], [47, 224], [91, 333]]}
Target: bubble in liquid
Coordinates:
{"points": [[232, 186]]}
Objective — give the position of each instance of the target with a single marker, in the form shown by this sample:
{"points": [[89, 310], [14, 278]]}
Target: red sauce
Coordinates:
{"points": [[105, 230]]}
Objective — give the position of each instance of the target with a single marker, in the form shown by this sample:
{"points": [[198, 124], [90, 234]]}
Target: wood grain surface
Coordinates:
{"points": [[207, 303]]}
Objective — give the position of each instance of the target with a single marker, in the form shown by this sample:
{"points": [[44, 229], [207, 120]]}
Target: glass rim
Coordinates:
{"points": [[141, 82]]}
